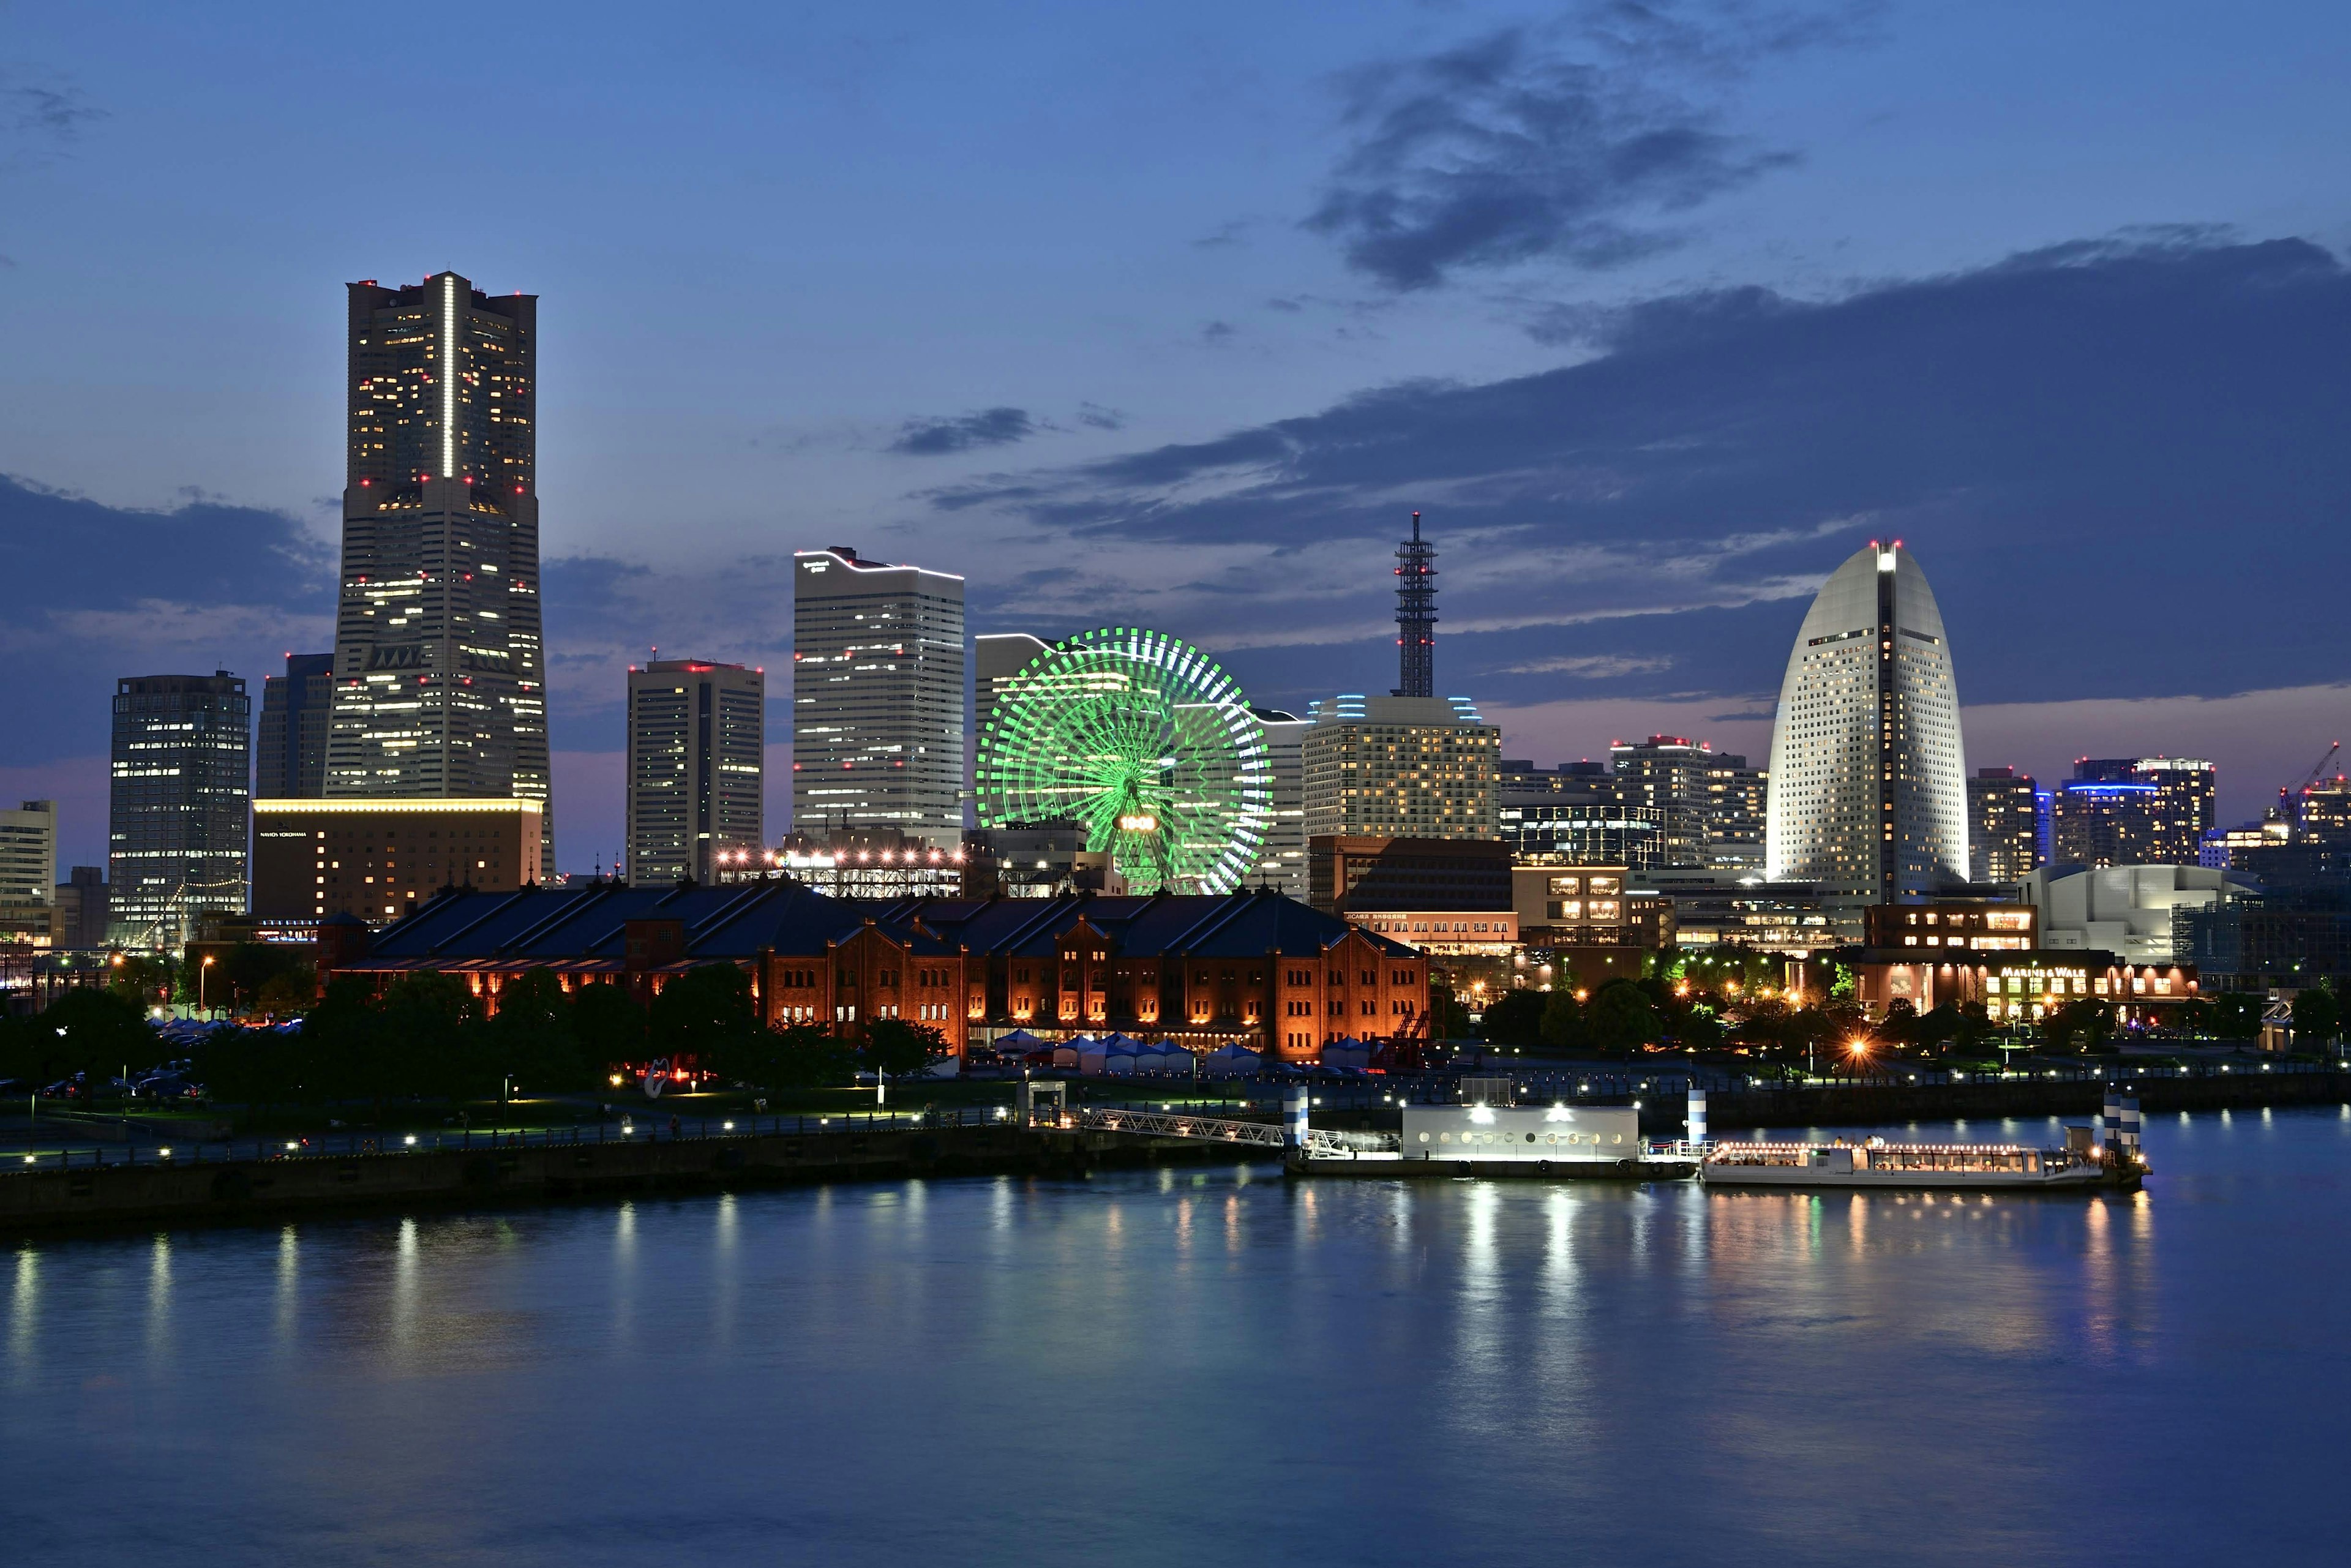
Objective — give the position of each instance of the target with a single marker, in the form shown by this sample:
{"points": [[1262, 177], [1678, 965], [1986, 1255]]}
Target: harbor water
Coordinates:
{"points": [[1202, 1365]]}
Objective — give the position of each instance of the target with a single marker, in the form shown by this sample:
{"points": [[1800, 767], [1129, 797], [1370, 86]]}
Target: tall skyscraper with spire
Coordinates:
{"points": [[440, 673], [1415, 573]]}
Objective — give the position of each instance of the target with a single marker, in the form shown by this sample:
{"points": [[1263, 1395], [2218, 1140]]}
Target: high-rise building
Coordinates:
{"points": [[28, 874], [28, 852], [180, 797], [995, 660], [1710, 803], [2123, 811], [440, 676], [697, 744], [1412, 768], [81, 907], [1282, 862], [290, 742], [877, 697], [1415, 572], [1867, 799], [2003, 825]]}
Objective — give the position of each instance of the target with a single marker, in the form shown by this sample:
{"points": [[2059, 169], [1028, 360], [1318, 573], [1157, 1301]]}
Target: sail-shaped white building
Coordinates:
{"points": [[1868, 797]]}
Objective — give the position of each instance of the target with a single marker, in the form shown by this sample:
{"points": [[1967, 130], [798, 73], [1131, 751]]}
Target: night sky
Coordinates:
{"points": [[1173, 314]]}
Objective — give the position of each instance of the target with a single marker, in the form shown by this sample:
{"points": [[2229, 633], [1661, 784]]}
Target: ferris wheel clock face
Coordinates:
{"points": [[1141, 740]]}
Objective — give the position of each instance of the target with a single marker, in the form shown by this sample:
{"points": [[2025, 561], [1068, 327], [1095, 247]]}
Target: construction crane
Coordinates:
{"points": [[2317, 771]]}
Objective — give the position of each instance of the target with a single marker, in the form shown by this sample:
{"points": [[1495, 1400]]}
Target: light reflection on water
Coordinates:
{"points": [[1184, 1365]]}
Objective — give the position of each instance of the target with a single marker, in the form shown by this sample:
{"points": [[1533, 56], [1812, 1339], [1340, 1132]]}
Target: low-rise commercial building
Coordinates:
{"points": [[2129, 911], [1970, 925], [380, 860], [2020, 987]]}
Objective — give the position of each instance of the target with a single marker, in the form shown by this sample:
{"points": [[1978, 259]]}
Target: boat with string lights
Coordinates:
{"points": [[2103, 1155]]}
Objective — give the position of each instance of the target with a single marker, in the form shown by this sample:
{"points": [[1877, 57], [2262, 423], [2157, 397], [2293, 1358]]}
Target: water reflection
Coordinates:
{"points": [[1846, 1373]]}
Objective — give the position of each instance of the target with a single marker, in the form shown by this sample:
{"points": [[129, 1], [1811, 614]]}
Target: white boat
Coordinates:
{"points": [[1944, 1167]]}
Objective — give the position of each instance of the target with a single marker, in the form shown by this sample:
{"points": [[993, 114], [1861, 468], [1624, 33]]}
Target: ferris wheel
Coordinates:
{"points": [[1141, 739]]}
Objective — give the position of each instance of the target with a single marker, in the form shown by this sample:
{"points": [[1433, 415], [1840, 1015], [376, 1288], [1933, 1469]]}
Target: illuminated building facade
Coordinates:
{"points": [[1399, 767], [1711, 805], [696, 766], [439, 674], [877, 697], [2003, 825], [2147, 811], [1867, 799], [380, 861], [177, 804], [1282, 862]]}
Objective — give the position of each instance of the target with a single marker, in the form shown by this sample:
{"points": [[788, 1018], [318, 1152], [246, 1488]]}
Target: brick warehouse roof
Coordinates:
{"points": [[585, 927]]}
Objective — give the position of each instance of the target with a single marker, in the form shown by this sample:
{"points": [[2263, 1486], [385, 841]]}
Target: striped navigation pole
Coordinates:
{"points": [[1293, 1120], [1696, 1132], [2118, 1125]]}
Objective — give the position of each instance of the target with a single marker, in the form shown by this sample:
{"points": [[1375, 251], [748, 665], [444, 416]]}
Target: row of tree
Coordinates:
{"points": [[426, 1037]]}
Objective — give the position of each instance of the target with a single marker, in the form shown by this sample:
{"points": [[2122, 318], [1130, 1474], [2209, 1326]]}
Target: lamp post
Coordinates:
{"points": [[203, 973]]}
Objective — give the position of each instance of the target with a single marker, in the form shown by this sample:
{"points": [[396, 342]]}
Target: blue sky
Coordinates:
{"points": [[1175, 313]]}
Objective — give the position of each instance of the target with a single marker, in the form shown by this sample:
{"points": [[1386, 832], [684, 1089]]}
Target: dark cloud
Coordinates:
{"points": [[104, 592], [1094, 416], [1508, 149], [2120, 461], [964, 433], [1216, 331]]}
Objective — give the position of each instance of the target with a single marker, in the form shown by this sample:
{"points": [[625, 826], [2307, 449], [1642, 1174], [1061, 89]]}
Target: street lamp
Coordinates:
{"points": [[203, 973]]}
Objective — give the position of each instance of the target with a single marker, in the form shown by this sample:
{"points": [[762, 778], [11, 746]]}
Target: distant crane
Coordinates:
{"points": [[2317, 770]]}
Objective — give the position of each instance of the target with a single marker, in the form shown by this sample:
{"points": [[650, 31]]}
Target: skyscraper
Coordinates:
{"points": [[176, 818], [290, 742], [440, 676], [2133, 811], [697, 744], [1868, 797], [877, 696], [1415, 573], [1282, 861], [1710, 803], [28, 874], [995, 658], [2003, 825]]}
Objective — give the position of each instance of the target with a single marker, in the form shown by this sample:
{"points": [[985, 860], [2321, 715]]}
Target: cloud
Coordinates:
{"points": [[1576, 143], [2120, 461], [1094, 416], [964, 433]]}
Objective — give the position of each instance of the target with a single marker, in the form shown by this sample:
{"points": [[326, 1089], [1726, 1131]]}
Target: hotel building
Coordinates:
{"points": [[696, 768]]}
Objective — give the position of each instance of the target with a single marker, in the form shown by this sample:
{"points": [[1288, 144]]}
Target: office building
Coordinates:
{"points": [[440, 676], [1282, 861], [28, 852], [1970, 925], [1867, 799], [2003, 825], [290, 741], [995, 658], [1574, 815], [28, 874], [877, 697], [1582, 926], [1399, 767], [80, 902], [2147, 811], [1711, 804], [380, 861], [696, 769], [182, 782]]}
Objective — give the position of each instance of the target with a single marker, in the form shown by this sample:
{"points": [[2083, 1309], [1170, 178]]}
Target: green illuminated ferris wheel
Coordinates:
{"points": [[1140, 739]]}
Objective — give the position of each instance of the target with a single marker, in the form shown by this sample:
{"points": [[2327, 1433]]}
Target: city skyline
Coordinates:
{"points": [[1284, 381]]}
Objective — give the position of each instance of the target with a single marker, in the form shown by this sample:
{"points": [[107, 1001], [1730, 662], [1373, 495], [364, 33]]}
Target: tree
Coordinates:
{"points": [[610, 1027], [801, 1057], [703, 1012], [531, 1038], [894, 1047], [2081, 1025], [1514, 1018], [1563, 1026], [427, 1044], [1450, 1019], [286, 993], [90, 1032], [2237, 1015], [2317, 1018], [1621, 1019]]}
